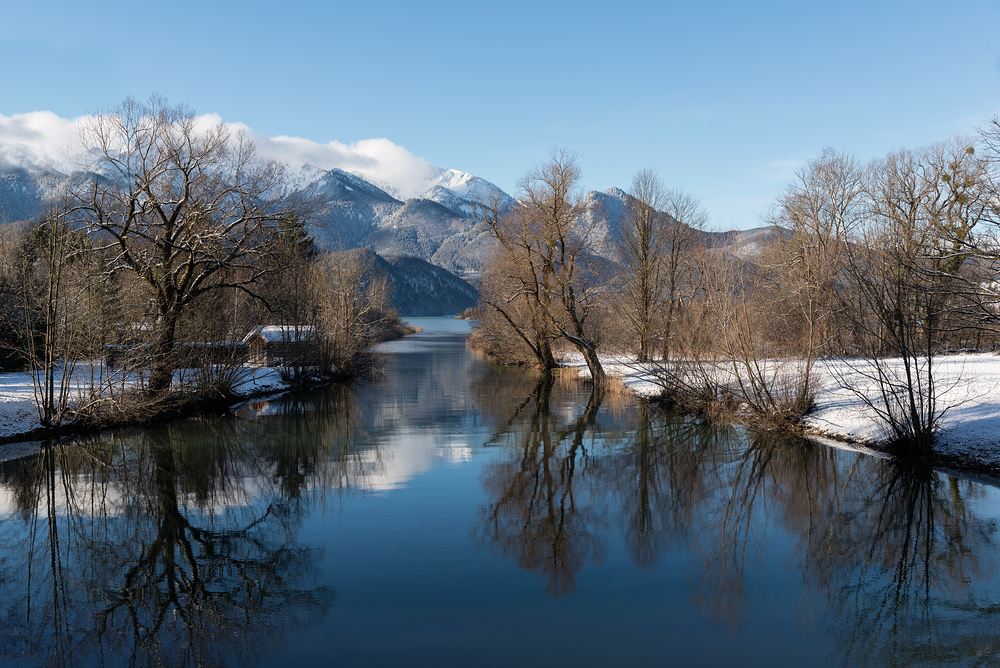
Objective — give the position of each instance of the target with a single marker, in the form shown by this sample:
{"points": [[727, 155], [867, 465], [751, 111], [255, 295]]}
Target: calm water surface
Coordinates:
{"points": [[453, 513]]}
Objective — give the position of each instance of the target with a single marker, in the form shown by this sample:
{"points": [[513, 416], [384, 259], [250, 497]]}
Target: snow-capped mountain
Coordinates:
{"points": [[428, 213], [353, 213], [24, 192], [351, 210], [460, 192], [463, 193]]}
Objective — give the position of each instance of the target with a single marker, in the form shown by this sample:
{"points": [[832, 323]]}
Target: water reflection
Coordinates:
{"points": [[787, 481], [907, 569], [569, 474], [894, 562], [661, 474], [204, 542], [177, 545], [536, 517]]}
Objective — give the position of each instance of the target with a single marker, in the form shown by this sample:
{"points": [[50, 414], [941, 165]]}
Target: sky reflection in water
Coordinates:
{"points": [[452, 512]]}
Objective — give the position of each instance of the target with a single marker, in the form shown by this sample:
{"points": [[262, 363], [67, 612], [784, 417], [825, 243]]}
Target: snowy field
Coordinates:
{"points": [[969, 393]]}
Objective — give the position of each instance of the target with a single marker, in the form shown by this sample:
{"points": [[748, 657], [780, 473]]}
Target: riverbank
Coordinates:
{"points": [[19, 415], [968, 392]]}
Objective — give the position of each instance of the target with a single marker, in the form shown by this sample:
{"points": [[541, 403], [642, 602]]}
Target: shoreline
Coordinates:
{"points": [[968, 443], [41, 435], [18, 398], [968, 440]]}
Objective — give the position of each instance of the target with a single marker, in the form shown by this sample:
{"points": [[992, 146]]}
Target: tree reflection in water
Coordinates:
{"points": [[181, 545], [661, 474], [177, 545], [769, 483], [902, 566], [564, 478], [893, 561], [892, 550], [537, 518]]}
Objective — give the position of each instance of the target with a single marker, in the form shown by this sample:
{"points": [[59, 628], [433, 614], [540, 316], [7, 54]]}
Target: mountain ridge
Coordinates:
{"points": [[439, 225]]}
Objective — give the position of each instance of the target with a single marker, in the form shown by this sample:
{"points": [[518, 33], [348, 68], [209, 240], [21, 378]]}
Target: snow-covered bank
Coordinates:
{"points": [[968, 391], [19, 415], [968, 388]]}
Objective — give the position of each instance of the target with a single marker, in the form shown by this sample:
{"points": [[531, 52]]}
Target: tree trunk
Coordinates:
{"points": [[162, 363], [594, 364], [543, 351]]}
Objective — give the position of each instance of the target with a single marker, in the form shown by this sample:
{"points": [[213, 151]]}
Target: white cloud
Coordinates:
{"points": [[43, 139], [377, 160], [39, 138]]}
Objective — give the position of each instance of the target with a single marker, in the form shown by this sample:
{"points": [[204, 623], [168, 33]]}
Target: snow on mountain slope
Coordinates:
{"points": [[304, 176], [461, 192], [603, 216], [24, 193], [349, 209]]}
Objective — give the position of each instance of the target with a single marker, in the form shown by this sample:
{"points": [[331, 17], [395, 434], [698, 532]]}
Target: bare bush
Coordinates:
{"points": [[354, 312], [921, 208]]}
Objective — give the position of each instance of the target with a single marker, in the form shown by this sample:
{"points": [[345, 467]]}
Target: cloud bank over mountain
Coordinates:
{"points": [[378, 161], [42, 139]]}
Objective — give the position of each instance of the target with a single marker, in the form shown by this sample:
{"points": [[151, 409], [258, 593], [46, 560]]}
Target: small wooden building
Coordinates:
{"points": [[282, 345]]}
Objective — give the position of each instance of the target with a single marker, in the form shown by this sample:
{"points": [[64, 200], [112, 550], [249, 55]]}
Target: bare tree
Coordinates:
{"points": [[186, 209], [820, 209], [642, 250], [515, 325], [354, 310], [547, 242], [62, 314], [965, 254], [12, 349], [49, 333], [919, 213], [686, 220]]}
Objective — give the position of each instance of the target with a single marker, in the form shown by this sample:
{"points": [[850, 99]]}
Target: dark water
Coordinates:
{"points": [[453, 513]]}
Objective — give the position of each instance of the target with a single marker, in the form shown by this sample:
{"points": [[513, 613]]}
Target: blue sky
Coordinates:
{"points": [[723, 99]]}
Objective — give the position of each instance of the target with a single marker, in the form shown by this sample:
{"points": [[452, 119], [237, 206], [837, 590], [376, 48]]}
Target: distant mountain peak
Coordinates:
{"points": [[300, 177], [462, 192]]}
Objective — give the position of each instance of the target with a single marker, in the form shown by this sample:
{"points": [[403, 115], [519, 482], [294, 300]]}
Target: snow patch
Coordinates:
{"points": [[968, 384]]}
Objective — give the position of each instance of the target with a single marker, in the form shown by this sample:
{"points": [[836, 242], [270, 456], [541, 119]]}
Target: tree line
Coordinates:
{"points": [[884, 265], [175, 244]]}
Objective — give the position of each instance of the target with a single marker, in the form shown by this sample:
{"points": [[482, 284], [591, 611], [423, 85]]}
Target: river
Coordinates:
{"points": [[450, 512]]}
